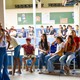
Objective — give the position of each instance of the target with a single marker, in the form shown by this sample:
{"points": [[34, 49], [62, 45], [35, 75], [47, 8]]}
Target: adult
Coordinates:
{"points": [[3, 55]]}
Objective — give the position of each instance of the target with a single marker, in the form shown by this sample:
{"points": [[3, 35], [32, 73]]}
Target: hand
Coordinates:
{"points": [[52, 54]]}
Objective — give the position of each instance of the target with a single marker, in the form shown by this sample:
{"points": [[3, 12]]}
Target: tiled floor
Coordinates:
{"points": [[36, 76]]}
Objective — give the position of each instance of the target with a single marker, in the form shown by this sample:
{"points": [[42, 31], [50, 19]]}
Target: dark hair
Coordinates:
{"points": [[45, 43], [72, 40], [73, 31], [64, 25], [60, 38]]}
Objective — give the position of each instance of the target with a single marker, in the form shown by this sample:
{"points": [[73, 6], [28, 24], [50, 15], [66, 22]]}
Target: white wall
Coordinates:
{"points": [[11, 14]]}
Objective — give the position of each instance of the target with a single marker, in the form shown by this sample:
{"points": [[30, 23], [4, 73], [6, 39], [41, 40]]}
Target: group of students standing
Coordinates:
{"points": [[65, 52]]}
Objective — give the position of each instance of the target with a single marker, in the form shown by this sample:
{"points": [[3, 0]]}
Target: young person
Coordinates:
{"points": [[29, 53], [77, 42], [69, 50], [14, 44], [43, 50], [3, 55], [55, 56]]}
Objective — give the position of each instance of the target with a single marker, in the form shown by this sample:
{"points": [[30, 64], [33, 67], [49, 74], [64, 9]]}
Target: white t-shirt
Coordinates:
{"points": [[59, 47], [14, 42]]}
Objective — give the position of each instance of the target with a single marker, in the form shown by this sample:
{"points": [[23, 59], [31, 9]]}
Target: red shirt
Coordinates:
{"points": [[70, 47], [28, 49], [77, 40]]}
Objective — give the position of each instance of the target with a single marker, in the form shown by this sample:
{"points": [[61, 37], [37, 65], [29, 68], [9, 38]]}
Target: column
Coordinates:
{"points": [[77, 15], [2, 12], [34, 21]]}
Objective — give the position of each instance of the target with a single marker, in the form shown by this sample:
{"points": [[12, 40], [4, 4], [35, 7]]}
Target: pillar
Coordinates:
{"points": [[2, 12], [77, 15]]}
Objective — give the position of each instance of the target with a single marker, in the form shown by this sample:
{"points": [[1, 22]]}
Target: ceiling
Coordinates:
{"points": [[10, 3]]}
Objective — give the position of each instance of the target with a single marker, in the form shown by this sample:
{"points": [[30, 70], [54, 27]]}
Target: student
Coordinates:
{"points": [[77, 42], [3, 55], [43, 50], [64, 32], [13, 42], [47, 30], [60, 31], [29, 53], [56, 55], [69, 50], [52, 31], [23, 32]]}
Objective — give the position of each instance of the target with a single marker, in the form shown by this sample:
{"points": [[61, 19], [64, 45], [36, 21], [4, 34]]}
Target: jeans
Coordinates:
{"points": [[3, 64], [67, 58], [46, 59], [17, 51], [51, 61], [41, 60]]}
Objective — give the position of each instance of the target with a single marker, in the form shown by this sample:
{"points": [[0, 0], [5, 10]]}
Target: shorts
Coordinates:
{"points": [[30, 56], [17, 51]]}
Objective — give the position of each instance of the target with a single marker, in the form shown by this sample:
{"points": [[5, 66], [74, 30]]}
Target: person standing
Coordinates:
{"points": [[13, 42], [3, 55]]}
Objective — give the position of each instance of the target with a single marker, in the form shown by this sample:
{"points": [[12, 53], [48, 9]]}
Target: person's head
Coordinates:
{"points": [[70, 39], [44, 40], [73, 33], [69, 27], [64, 27], [28, 40], [59, 39], [43, 37], [22, 29], [51, 27], [47, 27], [42, 27], [60, 26], [77, 27]]}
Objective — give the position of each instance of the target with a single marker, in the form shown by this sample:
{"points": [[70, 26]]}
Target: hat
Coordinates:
{"points": [[28, 39]]}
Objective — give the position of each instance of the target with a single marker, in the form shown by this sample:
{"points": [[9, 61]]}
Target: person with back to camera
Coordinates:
{"points": [[29, 54], [69, 50], [3, 54]]}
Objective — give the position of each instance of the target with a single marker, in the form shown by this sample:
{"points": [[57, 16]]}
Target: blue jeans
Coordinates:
{"points": [[51, 61], [67, 58], [3, 63], [17, 51], [41, 60], [46, 59]]}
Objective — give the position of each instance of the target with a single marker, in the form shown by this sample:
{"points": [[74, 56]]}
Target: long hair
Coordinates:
{"points": [[60, 38], [45, 42], [72, 40]]}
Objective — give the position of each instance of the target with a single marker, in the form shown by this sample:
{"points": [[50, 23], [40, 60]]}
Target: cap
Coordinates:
{"points": [[28, 39]]}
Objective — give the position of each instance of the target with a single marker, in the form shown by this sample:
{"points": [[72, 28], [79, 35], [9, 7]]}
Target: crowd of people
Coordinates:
{"points": [[62, 31], [67, 47]]}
